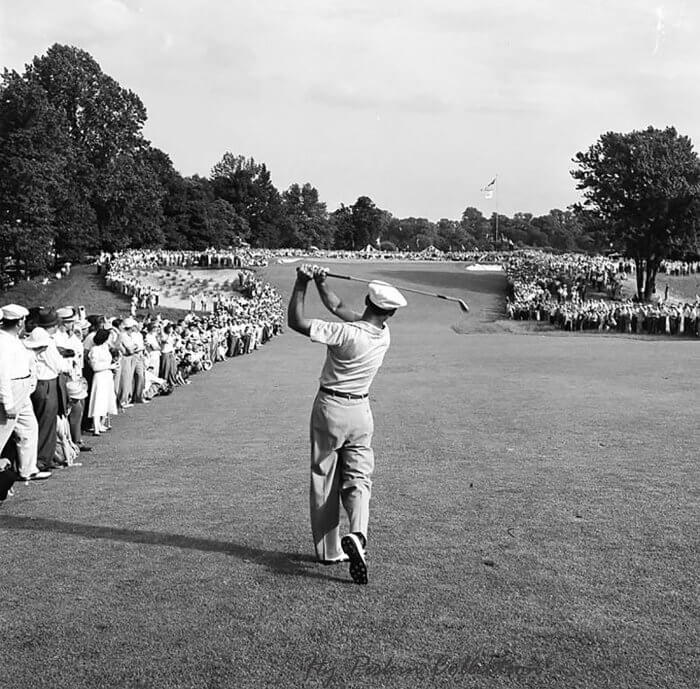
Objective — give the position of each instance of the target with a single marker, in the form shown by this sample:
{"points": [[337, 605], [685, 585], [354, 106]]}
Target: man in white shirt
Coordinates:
{"points": [[17, 382], [127, 349], [139, 362], [342, 460], [67, 338], [46, 399]]}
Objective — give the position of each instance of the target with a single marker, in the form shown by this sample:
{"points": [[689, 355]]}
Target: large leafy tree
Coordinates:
{"points": [[85, 161], [560, 228], [367, 221], [645, 188], [419, 233], [358, 225], [306, 220], [343, 228], [32, 173], [451, 236], [112, 182], [475, 224], [247, 186]]}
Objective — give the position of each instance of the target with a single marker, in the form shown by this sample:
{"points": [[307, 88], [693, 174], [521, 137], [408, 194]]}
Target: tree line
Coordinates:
{"points": [[77, 176]]}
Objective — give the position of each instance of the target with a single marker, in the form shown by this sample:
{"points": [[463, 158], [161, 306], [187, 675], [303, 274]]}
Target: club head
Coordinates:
{"points": [[463, 305]]}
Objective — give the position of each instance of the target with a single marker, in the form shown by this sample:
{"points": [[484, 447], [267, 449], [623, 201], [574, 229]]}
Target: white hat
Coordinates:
{"points": [[67, 313], [129, 322], [13, 312], [384, 296], [37, 338]]}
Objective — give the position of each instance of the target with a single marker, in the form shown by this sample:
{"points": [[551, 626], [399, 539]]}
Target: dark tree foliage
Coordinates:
{"points": [[108, 157], [366, 222], [305, 220], [359, 225], [248, 187], [32, 174], [644, 187]]}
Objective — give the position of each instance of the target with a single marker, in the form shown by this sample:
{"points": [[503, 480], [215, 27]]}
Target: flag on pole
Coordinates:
{"points": [[489, 189]]}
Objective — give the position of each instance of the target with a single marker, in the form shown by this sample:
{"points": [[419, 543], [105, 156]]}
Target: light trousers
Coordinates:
{"points": [[125, 385], [139, 377], [342, 463], [26, 431]]}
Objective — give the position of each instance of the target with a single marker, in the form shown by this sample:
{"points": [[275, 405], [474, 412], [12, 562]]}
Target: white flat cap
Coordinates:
{"points": [[384, 296], [37, 338], [13, 312], [129, 322]]}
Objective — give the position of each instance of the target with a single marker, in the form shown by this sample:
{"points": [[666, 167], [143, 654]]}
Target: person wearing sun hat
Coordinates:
{"points": [[128, 351], [342, 460], [67, 337], [17, 382], [103, 400], [46, 398]]}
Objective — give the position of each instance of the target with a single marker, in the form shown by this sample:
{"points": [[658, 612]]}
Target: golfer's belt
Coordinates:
{"points": [[344, 395]]}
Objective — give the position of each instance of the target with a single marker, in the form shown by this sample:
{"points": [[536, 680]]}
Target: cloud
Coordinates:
{"points": [[497, 82]]}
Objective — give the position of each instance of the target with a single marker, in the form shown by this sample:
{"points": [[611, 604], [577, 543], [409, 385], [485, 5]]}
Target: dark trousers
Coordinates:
{"points": [[139, 377], [232, 345], [88, 374], [75, 421], [45, 403], [7, 478]]}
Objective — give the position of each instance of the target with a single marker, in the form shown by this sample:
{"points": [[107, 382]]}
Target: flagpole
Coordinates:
{"points": [[489, 190], [496, 192]]}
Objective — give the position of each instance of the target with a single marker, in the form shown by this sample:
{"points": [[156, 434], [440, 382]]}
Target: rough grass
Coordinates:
{"points": [[685, 287], [534, 522], [82, 286], [680, 287]]}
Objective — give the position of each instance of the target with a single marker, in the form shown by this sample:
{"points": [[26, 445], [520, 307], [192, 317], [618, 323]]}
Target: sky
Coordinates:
{"points": [[418, 105]]}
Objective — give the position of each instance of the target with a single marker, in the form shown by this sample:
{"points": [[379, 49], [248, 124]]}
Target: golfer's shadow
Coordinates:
{"points": [[294, 564]]}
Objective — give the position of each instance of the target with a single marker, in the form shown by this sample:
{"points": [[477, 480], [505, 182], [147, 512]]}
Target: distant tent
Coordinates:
{"points": [[369, 249], [433, 251]]}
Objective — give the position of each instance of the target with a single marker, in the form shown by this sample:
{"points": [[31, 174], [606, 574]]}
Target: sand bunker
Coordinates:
{"points": [[178, 285]]}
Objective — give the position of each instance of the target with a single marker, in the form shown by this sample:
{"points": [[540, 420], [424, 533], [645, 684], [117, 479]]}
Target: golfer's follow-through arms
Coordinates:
{"points": [[295, 313]]}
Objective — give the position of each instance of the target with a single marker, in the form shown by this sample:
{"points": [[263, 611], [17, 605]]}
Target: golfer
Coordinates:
{"points": [[342, 460]]}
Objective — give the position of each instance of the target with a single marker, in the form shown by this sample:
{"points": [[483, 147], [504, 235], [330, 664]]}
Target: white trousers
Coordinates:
{"points": [[26, 432]]}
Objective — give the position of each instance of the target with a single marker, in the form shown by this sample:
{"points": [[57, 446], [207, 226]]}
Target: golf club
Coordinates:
{"points": [[461, 302]]}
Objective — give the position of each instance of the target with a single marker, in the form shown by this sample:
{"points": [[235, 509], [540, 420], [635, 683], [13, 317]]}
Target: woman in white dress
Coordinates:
{"points": [[103, 399], [153, 349]]}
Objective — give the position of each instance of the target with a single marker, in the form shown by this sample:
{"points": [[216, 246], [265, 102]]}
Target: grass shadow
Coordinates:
{"points": [[294, 564]]}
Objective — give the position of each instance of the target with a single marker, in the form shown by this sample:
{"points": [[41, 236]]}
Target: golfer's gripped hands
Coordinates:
{"points": [[319, 274], [305, 272]]}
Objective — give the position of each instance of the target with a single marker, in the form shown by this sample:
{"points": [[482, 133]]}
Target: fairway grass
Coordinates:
{"points": [[534, 520]]}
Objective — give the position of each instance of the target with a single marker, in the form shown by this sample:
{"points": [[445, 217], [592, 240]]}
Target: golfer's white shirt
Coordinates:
{"points": [[355, 353]]}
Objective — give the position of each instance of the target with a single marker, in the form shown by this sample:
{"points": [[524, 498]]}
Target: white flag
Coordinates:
{"points": [[489, 189]]}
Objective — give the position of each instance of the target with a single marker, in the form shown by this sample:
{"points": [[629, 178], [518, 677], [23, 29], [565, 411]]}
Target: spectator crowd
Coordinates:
{"points": [[557, 289], [64, 374]]}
